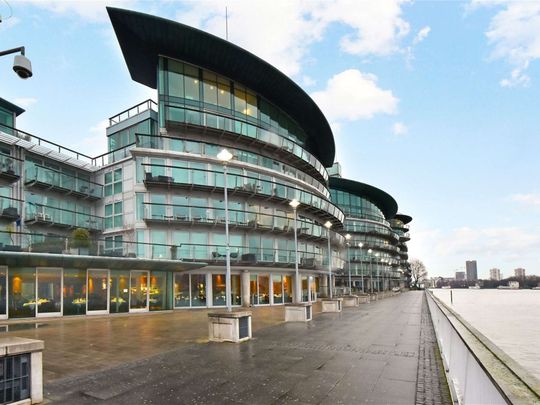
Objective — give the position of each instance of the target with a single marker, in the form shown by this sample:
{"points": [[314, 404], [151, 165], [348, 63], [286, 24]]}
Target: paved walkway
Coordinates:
{"points": [[368, 354]]}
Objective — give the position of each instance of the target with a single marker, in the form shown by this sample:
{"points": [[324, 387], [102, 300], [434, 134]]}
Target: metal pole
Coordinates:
{"points": [[297, 291], [378, 278], [329, 267], [370, 275], [228, 247], [349, 260], [362, 270]]}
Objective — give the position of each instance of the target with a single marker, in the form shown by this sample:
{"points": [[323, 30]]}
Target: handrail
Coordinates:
{"points": [[149, 103]]}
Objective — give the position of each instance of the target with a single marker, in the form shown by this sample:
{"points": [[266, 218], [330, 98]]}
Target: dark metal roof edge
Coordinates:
{"points": [[268, 81], [403, 218], [386, 203], [11, 107]]}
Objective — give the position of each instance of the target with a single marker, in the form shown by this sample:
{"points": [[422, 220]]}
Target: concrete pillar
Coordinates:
{"points": [[324, 285], [245, 288], [297, 292]]}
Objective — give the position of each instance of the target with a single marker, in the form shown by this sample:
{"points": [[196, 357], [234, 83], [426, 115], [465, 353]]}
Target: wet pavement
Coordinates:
{"points": [[368, 354]]}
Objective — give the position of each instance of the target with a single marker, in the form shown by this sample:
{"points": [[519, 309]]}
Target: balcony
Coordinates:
{"points": [[239, 184], [61, 218], [188, 215], [133, 111], [49, 179], [9, 168], [9, 209]]}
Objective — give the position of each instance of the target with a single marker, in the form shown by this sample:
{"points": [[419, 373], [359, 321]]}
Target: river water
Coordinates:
{"points": [[509, 318]]}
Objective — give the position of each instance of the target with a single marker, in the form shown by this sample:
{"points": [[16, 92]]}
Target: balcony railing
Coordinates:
{"points": [[133, 111], [240, 255], [204, 215], [9, 168], [44, 177], [239, 184], [42, 214], [10, 209]]}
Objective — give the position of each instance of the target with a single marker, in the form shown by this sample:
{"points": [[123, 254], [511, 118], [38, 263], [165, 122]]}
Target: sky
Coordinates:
{"points": [[434, 102]]}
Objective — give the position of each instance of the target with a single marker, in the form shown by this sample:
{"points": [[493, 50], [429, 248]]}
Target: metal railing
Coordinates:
{"points": [[133, 111]]}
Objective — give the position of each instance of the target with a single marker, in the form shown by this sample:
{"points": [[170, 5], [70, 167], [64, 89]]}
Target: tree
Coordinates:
{"points": [[418, 272]]}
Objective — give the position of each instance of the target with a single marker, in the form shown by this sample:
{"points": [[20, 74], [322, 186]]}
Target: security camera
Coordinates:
{"points": [[22, 66]]}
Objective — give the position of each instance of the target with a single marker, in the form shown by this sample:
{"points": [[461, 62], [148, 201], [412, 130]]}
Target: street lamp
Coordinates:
{"points": [[294, 204], [370, 251], [348, 238], [21, 64], [360, 244], [225, 156], [328, 225], [378, 277]]}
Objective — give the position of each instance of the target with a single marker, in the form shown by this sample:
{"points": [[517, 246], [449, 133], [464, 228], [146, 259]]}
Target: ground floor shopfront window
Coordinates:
{"points": [[27, 292]]}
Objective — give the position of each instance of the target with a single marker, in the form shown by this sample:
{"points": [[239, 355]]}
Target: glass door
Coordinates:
{"points": [[49, 292], [3, 292], [138, 291], [97, 292]]}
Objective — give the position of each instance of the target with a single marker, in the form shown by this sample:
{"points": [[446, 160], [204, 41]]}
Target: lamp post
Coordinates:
{"points": [[360, 244], [383, 273], [370, 271], [21, 64], [328, 225], [348, 238], [294, 204], [225, 156], [378, 277]]}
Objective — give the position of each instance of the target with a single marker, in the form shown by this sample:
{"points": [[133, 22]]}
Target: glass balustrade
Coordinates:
{"points": [[9, 166], [240, 255], [215, 121], [62, 217], [9, 208], [60, 180], [238, 183]]}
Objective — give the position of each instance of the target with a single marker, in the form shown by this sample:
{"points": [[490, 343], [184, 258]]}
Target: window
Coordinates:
{"points": [[113, 215], [114, 245], [113, 182]]}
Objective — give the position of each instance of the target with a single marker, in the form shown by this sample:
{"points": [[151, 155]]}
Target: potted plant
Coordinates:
{"points": [[80, 241]]}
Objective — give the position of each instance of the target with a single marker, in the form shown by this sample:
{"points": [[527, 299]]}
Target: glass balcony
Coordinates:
{"points": [[46, 178], [202, 179], [187, 214], [240, 255], [10, 209], [42, 214], [9, 168]]}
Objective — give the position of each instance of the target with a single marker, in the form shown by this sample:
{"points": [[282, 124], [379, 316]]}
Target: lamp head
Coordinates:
{"points": [[294, 203], [22, 66], [360, 244], [225, 156], [348, 236], [370, 251], [328, 224]]}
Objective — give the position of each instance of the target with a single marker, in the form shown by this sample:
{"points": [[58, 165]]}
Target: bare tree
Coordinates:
{"points": [[418, 272]]}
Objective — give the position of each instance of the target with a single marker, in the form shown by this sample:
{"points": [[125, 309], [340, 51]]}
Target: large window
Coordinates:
{"points": [[22, 292], [113, 215], [113, 182]]}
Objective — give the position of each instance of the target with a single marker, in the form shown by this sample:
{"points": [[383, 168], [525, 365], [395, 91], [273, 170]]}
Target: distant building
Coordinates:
{"points": [[460, 275], [472, 271], [519, 272], [495, 274]]}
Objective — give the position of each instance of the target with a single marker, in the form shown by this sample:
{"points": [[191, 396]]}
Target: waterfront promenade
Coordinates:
{"points": [[379, 353]]}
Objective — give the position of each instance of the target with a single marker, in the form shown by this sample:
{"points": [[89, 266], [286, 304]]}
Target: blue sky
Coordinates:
{"points": [[434, 102]]}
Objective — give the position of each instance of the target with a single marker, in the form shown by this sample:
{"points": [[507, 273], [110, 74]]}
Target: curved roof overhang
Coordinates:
{"points": [[11, 107], [403, 218], [143, 38], [381, 199]]}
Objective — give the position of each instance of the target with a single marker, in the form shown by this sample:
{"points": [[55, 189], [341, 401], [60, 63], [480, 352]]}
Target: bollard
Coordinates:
{"points": [[451, 298]]}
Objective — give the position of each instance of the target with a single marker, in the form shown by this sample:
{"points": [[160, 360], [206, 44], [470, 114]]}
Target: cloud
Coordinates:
{"points": [[399, 128], [25, 101], [308, 81], [353, 95], [422, 34], [514, 33], [282, 31], [9, 23], [531, 200], [95, 143], [88, 10]]}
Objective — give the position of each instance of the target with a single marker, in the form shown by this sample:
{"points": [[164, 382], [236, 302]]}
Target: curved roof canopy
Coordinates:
{"points": [[403, 218], [381, 199], [11, 107], [143, 38]]}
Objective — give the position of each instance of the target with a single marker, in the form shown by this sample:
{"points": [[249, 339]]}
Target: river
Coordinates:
{"points": [[509, 318]]}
